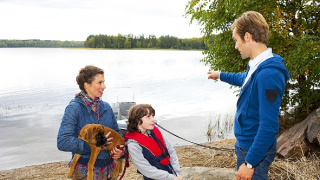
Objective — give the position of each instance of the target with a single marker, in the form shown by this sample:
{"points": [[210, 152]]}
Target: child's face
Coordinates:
{"points": [[148, 122]]}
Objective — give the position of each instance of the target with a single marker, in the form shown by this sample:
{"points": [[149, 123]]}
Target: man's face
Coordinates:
{"points": [[241, 45]]}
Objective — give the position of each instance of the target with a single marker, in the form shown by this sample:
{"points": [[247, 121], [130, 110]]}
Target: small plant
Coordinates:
{"points": [[218, 128], [210, 130]]}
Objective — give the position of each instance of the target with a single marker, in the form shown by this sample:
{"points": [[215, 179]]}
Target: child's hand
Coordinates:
{"points": [[177, 178]]}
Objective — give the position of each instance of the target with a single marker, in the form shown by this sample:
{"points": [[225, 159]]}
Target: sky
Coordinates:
{"points": [[75, 20]]}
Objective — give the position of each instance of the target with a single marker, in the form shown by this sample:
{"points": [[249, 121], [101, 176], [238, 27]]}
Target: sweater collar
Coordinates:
{"points": [[254, 63]]}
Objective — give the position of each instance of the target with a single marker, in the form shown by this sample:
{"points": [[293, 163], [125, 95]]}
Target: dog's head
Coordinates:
{"points": [[93, 134], [101, 139]]}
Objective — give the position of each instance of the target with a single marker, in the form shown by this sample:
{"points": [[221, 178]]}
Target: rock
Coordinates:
{"points": [[301, 138], [313, 131], [207, 173]]}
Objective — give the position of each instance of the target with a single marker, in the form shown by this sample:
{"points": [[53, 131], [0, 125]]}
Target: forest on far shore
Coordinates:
{"points": [[37, 43], [112, 42], [130, 42]]}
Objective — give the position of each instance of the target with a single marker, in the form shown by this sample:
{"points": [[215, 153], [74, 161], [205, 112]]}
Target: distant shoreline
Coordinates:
{"points": [[84, 48]]}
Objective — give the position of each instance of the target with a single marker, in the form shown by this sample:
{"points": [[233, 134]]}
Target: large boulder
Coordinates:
{"points": [[301, 138]]}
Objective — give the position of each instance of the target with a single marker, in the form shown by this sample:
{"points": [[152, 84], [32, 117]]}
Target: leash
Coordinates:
{"points": [[210, 147], [126, 155]]}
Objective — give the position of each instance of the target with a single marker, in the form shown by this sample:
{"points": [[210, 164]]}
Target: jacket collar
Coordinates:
{"points": [[89, 109]]}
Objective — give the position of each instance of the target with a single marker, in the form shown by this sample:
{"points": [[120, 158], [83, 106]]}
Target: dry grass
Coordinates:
{"points": [[305, 168]]}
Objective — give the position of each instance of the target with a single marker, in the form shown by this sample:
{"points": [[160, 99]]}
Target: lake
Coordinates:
{"points": [[38, 83]]}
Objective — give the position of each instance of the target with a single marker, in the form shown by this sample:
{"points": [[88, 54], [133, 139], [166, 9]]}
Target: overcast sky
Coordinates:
{"points": [[77, 19]]}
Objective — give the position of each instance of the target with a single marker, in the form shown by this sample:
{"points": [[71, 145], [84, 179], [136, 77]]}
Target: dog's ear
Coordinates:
{"points": [[89, 134], [86, 134]]}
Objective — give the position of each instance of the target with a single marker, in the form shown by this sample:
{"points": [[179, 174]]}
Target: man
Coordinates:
{"points": [[262, 88]]}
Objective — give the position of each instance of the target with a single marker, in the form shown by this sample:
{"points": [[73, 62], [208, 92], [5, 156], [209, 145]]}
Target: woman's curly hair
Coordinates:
{"points": [[87, 75]]}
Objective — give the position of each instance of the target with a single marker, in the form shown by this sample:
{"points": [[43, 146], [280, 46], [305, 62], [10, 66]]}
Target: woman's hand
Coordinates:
{"points": [[109, 141], [117, 153], [177, 178]]}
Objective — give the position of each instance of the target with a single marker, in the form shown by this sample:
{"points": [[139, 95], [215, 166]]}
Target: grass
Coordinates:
{"points": [[219, 126], [307, 167]]}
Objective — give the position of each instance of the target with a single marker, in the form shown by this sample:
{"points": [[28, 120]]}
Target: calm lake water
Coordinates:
{"points": [[38, 83]]}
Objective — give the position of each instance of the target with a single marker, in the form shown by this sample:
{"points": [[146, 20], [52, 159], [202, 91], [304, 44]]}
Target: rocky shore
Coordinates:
{"points": [[199, 160], [197, 163]]}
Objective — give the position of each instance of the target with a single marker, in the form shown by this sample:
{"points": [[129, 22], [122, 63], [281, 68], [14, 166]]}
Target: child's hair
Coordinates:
{"points": [[135, 115]]}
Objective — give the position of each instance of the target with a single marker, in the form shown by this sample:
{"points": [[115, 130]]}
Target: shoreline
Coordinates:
{"points": [[189, 156], [193, 159]]}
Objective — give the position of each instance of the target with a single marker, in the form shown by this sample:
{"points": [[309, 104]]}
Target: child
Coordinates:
{"points": [[150, 152]]}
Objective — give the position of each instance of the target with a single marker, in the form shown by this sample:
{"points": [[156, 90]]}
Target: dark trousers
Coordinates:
{"points": [[261, 171]]}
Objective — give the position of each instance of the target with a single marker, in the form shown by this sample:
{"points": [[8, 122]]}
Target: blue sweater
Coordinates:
{"points": [[256, 120], [77, 115]]}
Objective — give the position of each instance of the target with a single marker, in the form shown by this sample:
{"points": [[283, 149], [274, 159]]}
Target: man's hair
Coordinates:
{"points": [[253, 23]]}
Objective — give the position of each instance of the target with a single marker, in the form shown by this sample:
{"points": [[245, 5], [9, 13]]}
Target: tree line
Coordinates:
{"points": [[130, 41], [40, 43], [112, 42]]}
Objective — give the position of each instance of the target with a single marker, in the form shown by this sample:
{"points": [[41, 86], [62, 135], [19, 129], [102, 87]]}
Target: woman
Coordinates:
{"points": [[88, 108], [150, 152]]}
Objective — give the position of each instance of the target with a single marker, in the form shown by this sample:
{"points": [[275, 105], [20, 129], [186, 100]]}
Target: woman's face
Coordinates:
{"points": [[96, 88]]}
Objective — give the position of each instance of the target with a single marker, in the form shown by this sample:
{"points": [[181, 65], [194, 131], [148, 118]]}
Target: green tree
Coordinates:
{"points": [[127, 43], [142, 40], [3, 44], [295, 32], [90, 42], [120, 41], [153, 41], [138, 44]]}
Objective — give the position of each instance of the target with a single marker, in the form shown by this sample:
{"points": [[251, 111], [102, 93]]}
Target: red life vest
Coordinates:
{"points": [[150, 143]]}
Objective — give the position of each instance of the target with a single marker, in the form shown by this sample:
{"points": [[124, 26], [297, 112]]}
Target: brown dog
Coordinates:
{"points": [[94, 135]]}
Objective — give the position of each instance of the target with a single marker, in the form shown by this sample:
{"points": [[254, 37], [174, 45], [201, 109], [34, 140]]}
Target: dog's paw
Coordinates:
{"points": [[70, 174]]}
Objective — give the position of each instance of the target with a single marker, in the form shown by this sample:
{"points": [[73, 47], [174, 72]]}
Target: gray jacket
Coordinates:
{"points": [[142, 164]]}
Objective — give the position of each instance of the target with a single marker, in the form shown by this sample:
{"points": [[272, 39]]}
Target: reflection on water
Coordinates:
{"points": [[37, 84]]}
